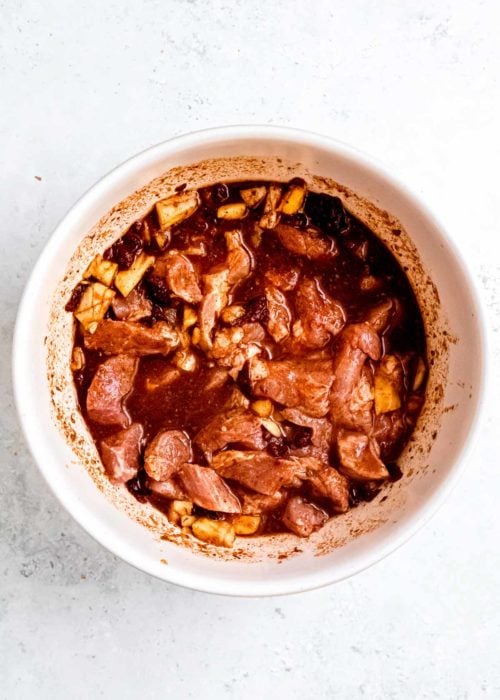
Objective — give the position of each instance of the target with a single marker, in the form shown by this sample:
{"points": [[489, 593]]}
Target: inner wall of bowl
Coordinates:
{"points": [[113, 516]]}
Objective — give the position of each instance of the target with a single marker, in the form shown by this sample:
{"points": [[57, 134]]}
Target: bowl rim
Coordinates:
{"points": [[402, 532]]}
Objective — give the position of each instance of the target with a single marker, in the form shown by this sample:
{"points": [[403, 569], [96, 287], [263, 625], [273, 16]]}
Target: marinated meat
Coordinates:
{"points": [[285, 278], [310, 243], [321, 434], [215, 298], [170, 488], [237, 427], [328, 483], [278, 324], [111, 384], [256, 470], [165, 454], [233, 346], [303, 518], [380, 315], [249, 358], [257, 503], [120, 453], [296, 383], [359, 457], [355, 344], [133, 307], [239, 259], [206, 488], [320, 317], [114, 337], [182, 277]]}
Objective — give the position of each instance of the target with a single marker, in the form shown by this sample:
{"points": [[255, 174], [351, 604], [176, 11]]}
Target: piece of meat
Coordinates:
{"points": [[239, 259], [303, 384], [216, 379], [319, 316], [132, 307], [235, 400], [380, 316], [355, 344], [205, 487], [309, 242], [359, 456], [261, 472], [321, 438], [166, 452], [328, 483], [234, 345], [388, 429], [120, 453], [255, 470], [114, 337], [237, 426], [182, 277], [303, 518], [111, 384], [284, 279], [170, 489], [215, 298], [258, 503], [161, 379], [280, 317], [358, 412]]}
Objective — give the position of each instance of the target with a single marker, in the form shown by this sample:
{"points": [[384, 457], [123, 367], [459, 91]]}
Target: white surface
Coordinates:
{"points": [[83, 87]]}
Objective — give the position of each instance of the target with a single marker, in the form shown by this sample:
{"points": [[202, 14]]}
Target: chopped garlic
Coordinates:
{"points": [[178, 509], [102, 270], [189, 317], [262, 407], [177, 208], [218, 532], [127, 280], [77, 359], [95, 301], [246, 524], [293, 199], [253, 196], [237, 210], [271, 214]]}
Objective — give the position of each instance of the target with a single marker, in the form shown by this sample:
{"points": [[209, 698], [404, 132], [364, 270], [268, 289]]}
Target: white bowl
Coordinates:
{"points": [[280, 564]]}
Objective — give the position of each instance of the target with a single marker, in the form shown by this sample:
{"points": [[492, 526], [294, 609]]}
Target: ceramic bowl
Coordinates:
{"points": [[279, 564]]}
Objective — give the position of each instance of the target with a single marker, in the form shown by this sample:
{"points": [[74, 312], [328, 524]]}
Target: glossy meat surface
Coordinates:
{"points": [[249, 359]]}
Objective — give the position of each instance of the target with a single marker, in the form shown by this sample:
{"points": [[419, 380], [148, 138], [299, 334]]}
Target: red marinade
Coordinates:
{"points": [[271, 366]]}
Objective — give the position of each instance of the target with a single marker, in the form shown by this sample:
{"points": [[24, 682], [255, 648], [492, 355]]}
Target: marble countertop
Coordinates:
{"points": [[84, 86]]}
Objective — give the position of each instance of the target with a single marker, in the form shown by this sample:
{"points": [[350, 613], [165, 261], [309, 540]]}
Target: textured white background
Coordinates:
{"points": [[83, 85]]}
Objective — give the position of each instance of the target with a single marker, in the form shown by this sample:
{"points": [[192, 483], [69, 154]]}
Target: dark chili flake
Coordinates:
{"points": [[300, 220], [395, 473], [200, 512], [162, 313], [362, 492], [256, 311], [125, 250], [79, 377], [75, 297], [244, 382], [327, 213], [302, 436], [157, 289], [137, 486], [220, 193], [277, 447]]}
